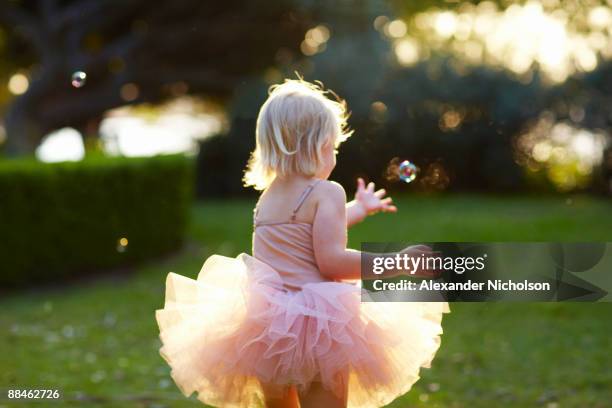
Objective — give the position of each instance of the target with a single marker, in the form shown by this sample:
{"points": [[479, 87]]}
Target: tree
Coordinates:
{"points": [[458, 121], [135, 51]]}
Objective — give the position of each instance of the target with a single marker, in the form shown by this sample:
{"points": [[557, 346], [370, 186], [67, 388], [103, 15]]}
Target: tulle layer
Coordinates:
{"points": [[237, 329]]}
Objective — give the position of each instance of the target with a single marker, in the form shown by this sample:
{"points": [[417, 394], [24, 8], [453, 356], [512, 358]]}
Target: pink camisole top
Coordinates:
{"points": [[287, 247]]}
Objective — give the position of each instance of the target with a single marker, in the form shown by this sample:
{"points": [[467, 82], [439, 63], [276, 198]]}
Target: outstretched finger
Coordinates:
{"points": [[389, 208], [371, 187], [386, 201], [380, 193], [360, 184]]}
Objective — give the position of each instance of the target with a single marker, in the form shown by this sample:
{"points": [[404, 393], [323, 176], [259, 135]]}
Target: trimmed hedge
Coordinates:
{"points": [[65, 219]]}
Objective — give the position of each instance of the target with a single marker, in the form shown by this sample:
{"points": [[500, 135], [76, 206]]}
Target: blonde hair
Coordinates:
{"points": [[293, 125]]}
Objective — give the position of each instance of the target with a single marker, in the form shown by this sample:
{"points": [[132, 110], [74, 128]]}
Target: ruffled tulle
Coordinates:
{"points": [[237, 327]]}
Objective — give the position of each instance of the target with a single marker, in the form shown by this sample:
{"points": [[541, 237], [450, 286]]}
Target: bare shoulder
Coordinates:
{"points": [[330, 191]]}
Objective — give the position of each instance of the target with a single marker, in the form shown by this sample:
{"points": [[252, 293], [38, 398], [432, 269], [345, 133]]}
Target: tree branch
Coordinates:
{"points": [[24, 24]]}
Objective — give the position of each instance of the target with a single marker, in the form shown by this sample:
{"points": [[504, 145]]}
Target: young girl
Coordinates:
{"points": [[284, 328]]}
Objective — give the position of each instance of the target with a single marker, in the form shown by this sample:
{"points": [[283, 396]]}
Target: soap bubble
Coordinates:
{"points": [[407, 171], [122, 244], [78, 79]]}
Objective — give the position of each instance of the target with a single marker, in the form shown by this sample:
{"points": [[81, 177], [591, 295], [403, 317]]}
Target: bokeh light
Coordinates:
{"points": [[315, 40], [122, 244], [560, 43], [61, 145], [18, 84], [129, 92], [407, 51], [396, 29], [450, 120], [435, 177], [564, 154], [145, 130], [378, 111]]}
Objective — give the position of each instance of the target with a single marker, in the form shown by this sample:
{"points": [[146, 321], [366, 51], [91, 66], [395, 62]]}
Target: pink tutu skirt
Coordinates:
{"points": [[237, 328]]}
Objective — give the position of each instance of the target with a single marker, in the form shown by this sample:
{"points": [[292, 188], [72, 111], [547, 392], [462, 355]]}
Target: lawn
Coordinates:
{"points": [[96, 339]]}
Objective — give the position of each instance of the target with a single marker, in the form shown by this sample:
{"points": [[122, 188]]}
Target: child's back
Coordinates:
{"points": [[282, 236]]}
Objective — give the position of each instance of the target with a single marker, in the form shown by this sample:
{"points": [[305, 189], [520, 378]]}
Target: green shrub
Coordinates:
{"points": [[64, 219]]}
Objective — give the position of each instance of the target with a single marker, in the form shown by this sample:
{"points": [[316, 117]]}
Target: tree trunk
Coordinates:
{"points": [[22, 132], [24, 129]]}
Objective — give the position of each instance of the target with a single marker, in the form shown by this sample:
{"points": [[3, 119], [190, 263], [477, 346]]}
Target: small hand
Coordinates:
{"points": [[373, 202], [425, 253]]}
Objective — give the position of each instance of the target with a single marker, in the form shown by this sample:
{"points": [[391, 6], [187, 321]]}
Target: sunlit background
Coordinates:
{"points": [[556, 39], [558, 50], [560, 38], [142, 131]]}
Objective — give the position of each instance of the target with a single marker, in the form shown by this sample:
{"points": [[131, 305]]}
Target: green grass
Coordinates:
{"points": [[96, 339]]}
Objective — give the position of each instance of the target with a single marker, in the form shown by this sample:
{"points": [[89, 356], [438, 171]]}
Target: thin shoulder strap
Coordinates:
{"points": [[302, 198]]}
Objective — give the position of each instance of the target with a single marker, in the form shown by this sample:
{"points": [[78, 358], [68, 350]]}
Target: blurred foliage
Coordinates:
{"points": [[74, 218], [456, 128], [222, 159], [133, 53], [458, 122], [420, 78], [460, 129]]}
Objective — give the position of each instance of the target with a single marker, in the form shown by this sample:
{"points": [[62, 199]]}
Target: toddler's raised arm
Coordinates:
{"points": [[335, 260]]}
